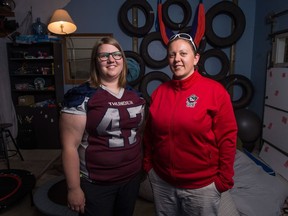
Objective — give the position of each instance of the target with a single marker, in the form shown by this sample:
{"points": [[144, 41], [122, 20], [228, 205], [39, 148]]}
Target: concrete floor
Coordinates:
{"points": [[26, 207]]}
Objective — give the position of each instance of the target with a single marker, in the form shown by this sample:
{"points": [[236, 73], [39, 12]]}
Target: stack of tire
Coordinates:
{"points": [[223, 7], [228, 80], [137, 77], [249, 123]]}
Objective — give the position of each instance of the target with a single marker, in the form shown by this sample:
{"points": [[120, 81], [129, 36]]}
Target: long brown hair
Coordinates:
{"points": [[94, 79]]}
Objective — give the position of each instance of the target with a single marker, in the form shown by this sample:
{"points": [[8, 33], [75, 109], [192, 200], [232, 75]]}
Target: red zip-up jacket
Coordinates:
{"points": [[191, 132]]}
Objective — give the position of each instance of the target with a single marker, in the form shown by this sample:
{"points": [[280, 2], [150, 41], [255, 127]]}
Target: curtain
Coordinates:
{"points": [[7, 110]]}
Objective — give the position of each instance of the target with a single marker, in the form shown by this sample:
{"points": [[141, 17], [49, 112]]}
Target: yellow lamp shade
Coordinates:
{"points": [[61, 23]]}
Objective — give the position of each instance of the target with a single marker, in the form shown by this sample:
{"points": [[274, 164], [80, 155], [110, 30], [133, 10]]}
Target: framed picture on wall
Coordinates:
{"points": [[77, 54]]}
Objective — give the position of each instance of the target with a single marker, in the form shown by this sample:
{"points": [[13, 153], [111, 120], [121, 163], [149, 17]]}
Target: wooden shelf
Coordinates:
{"points": [[4, 13], [41, 106], [3, 34]]}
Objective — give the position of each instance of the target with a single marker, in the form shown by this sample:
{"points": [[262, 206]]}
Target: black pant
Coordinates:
{"points": [[110, 200]]}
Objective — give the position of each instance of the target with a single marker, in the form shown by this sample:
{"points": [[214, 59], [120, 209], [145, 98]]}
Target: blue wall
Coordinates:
{"points": [[94, 16]]}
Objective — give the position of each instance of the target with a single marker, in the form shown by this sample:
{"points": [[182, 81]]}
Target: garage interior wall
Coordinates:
{"points": [[94, 16]]}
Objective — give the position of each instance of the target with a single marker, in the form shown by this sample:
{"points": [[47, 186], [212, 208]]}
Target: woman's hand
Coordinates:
{"points": [[76, 200]]}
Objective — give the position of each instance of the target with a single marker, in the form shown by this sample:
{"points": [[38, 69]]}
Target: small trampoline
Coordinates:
{"points": [[51, 198], [15, 185]]}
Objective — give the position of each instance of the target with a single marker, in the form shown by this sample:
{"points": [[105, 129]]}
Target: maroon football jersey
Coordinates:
{"points": [[110, 151]]}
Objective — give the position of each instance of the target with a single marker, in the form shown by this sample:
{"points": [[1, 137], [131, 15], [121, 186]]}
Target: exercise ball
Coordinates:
{"points": [[249, 125]]}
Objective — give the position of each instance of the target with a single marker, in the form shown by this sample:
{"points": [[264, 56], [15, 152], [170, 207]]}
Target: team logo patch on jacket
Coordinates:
{"points": [[191, 101]]}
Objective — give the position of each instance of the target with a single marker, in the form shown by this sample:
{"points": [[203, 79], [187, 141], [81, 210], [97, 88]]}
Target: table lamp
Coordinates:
{"points": [[61, 23]]}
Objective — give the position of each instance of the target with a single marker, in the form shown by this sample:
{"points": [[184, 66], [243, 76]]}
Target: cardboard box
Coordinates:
{"points": [[26, 100]]}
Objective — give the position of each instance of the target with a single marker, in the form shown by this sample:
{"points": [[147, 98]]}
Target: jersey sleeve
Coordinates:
{"points": [[75, 100]]}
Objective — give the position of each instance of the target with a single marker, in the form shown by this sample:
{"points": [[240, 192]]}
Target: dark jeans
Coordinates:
{"points": [[110, 200]]}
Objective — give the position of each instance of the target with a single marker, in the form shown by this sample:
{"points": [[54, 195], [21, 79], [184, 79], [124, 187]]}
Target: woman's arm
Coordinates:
{"points": [[225, 129], [72, 128]]}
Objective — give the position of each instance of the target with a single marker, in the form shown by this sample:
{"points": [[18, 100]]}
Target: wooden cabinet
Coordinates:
{"points": [[36, 78], [38, 127]]}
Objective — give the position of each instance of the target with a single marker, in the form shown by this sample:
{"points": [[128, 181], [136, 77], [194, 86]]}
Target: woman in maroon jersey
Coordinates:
{"points": [[190, 137], [100, 134]]}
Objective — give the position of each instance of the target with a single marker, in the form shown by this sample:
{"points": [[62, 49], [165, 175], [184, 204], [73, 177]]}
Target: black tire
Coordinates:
{"points": [[238, 17], [185, 6], [202, 46], [125, 24], [219, 54], [246, 86], [153, 75], [135, 56], [144, 51]]}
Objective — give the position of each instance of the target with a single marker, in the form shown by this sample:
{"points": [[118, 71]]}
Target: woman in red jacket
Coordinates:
{"points": [[190, 137]]}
